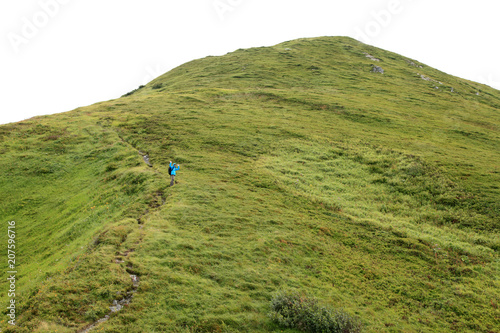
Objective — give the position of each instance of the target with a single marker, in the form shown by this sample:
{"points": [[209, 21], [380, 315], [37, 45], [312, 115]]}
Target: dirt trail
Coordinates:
{"points": [[122, 257]]}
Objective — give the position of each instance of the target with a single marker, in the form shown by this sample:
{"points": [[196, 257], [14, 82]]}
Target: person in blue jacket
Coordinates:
{"points": [[173, 168]]}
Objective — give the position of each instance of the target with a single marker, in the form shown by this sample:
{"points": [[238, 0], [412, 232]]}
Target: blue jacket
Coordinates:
{"points": [[174, 169]]}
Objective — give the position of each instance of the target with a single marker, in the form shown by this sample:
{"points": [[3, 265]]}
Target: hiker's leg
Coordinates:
{"points": [[172, 179]]}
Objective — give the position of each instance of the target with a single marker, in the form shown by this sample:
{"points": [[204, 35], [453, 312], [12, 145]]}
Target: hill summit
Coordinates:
{"points": [[326, 168]]}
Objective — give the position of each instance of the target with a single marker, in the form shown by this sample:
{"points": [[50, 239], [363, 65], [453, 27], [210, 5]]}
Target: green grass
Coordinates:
{"points": [[300, 170]]}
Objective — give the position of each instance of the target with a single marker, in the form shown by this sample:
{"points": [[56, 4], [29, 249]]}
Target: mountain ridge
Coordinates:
{"points": [[301, 169]]}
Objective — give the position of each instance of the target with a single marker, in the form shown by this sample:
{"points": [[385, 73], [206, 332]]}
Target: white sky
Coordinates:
{"points": [[57, 55]]}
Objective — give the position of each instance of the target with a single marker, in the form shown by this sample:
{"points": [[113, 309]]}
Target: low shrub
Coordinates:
{"points": [[133, 91], [293, 310]]}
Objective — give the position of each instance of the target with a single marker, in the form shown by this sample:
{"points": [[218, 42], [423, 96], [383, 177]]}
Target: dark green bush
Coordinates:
{"points": [[293, 310], [133, 91]]}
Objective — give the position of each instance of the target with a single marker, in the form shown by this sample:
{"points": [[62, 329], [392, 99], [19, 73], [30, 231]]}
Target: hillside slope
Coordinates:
{"points": [[301, 169]]}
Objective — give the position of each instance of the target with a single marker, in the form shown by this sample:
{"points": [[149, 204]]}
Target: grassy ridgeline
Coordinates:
{"points": [[300, 169]]}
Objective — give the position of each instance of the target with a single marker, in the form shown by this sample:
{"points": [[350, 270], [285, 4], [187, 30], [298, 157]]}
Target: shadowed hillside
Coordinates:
{"points": [[303, 169]]}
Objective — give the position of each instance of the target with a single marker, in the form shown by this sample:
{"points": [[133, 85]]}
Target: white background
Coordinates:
{"points": [[57, 55]]}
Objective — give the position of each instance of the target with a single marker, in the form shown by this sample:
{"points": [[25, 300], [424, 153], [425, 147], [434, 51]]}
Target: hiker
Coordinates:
{"points": [[171, 171]]}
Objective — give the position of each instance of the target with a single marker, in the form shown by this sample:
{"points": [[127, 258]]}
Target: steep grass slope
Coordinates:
{"points": [[301, 169]]}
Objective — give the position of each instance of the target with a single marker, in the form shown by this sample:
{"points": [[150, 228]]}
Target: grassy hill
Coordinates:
{"points": [[302, 170]]}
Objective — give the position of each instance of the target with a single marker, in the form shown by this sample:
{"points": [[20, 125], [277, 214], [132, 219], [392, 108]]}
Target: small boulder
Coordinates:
{"points": [[146, 160], [411, 63], [369, 56], [378, 69]]}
